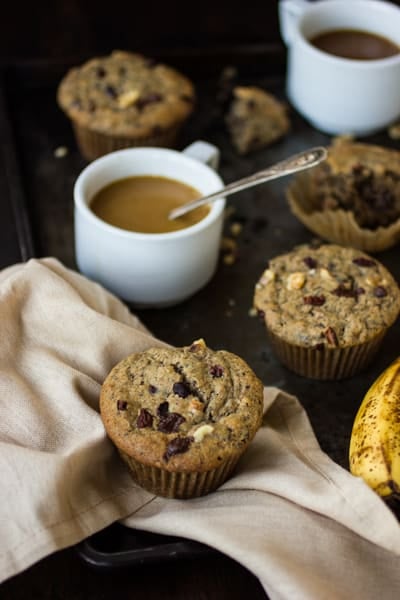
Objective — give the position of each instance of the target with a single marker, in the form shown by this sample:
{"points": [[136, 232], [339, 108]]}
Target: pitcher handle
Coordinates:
{"points": [[204, 152], [289, 12]]}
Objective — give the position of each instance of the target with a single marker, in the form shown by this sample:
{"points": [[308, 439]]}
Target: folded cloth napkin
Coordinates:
{"points": [[302, 524]]}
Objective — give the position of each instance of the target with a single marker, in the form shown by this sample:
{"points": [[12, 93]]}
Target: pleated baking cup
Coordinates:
{"points": [[184, 485], [337, 226], [93, 144], [326, 363]]}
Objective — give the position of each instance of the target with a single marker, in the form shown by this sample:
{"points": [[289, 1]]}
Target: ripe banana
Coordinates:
{"points": [[374, 452]]}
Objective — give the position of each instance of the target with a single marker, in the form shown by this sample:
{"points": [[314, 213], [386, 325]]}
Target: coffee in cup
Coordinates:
{"points": [[339, 92]]}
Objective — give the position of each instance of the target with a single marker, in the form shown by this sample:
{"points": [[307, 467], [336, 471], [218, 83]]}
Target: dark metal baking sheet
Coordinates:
{"points": [[37, 219], [15, 230], [117, 547]]}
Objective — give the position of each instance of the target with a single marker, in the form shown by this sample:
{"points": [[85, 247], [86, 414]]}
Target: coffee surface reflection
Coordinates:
{"points": [[143, 203], [355, 44]]}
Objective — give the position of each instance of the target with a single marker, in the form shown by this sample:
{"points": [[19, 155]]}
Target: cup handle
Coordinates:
{"points": [[204, 152], [289, 12]]}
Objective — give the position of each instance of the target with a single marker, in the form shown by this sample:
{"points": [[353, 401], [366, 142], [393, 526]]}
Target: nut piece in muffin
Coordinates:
{"points": [[326, 309], [123, 100], [353, 197], [255, 119], [181, 417]]}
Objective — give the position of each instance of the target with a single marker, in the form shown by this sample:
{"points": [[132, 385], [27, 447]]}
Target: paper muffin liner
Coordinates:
{"points": [[337, 226], [326, 363], [93, 144], [179, 484]]}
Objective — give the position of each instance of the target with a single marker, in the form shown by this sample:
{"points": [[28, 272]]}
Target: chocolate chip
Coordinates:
{"points": [[216, 371], [145, 419], [314, 300], [261, 315], [91, 106], [110, 91], [76, 103], [344, 292], [170, 422], [361, 261], [181, 389], [331, 336], [310, 262], [380, 291], [100, 72], [319, 347], [122, 405], [163, 409], [178, 445], [149, 99], [152, 389]]}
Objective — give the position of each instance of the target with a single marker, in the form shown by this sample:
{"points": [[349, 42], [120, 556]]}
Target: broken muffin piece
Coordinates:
{"points": [[255, 119]]}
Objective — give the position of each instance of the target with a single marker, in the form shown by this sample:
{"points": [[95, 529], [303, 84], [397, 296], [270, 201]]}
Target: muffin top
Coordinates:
{"points": [[328, 295], [361, 178], [126, 94], [182, 409]]}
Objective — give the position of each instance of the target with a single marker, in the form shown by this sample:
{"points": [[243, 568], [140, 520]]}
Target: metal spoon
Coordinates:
{"points": [[297, 162]]}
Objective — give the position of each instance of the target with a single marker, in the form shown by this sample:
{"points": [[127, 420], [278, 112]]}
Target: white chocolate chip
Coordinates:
{"points": [[198, 344], [266, 277], [295, 281], [325, 274], [201, 432], [374, 279], [128, 98]]}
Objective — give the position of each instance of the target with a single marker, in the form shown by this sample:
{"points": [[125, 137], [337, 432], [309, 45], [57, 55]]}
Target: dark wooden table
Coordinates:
{"points": [[37, 219]]}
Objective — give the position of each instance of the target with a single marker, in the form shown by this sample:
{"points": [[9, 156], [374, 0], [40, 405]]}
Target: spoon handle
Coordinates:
{"points": [[297, 162]]}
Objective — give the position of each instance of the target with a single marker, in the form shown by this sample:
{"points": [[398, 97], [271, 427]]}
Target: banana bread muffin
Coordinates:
{"points": [[255, 119], [353, 197], [326, 309], [125, 99], [181, 417]]}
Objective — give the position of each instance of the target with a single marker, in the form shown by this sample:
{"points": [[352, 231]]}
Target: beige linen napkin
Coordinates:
{"points": [[302, 524]]}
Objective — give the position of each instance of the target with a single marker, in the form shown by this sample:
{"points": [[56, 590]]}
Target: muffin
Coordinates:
{"points": [[255, 119], [326, 308], [181, 417], [125, 100], [352, 198]]}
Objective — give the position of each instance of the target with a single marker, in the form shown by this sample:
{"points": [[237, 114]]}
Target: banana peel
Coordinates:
{"points": [[374, 452]]}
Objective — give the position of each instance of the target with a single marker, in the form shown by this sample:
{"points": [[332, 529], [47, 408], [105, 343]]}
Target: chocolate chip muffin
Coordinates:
{"points": [[353, 197], [123, 100], [255, 119], [181, 417], [326, 309]]}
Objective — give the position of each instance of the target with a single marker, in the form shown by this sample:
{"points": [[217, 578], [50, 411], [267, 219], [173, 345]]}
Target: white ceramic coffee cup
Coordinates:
{"points": [[339, 95], [149, 270]]}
